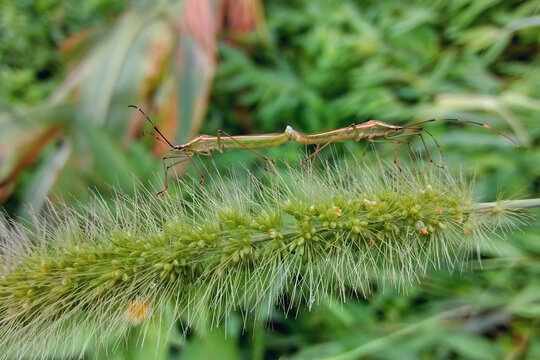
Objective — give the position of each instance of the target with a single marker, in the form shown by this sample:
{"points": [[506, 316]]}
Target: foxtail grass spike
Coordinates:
{"points": [[71, 279]]}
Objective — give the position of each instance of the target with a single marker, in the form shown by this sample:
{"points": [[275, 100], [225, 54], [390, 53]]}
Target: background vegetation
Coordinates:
{"points": [[68, 71]]}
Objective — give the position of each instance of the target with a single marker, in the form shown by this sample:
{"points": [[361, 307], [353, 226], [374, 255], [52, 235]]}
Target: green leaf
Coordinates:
{"points": [[471, 346]]}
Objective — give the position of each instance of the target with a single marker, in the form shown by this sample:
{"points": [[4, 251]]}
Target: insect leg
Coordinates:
{"points": [[427, 151], [165, 171], [166, 168], [399, 142], [263, 159], [428, 155], [437, 144], [364, 150], [332, 139], [197, 168], [397, 152], [313, 158], [190, 160]]}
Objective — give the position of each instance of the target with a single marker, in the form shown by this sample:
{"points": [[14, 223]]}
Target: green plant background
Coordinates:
{"points": [[315, 65]]}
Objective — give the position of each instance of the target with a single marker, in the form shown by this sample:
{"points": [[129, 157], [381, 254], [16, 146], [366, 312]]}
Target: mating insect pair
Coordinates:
{"points": [[370, 131]]}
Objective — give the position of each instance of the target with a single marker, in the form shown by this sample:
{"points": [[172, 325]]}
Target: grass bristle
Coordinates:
{"points": [[82, 277]]}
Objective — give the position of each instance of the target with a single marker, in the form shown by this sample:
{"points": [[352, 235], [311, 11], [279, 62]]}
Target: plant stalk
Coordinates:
{"points": [[506, 205]]}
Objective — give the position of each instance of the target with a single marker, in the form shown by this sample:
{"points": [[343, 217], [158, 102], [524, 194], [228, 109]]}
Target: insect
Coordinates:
{"points": [[370, 131]]}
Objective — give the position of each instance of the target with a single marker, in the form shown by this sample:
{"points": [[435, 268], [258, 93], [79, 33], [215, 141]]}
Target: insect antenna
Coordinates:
{"points": [[463, 121], [155, 127]]}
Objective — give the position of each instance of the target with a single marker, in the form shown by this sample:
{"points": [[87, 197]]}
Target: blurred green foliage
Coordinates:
{"points": [[31, 33], [328, 64], [323, 64], [82, 135]]}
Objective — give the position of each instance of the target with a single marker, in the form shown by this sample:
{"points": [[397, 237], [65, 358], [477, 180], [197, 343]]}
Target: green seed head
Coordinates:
{"points": [[98, 272]]}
